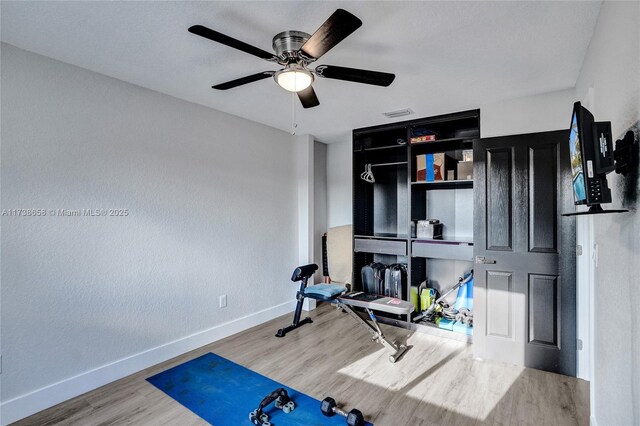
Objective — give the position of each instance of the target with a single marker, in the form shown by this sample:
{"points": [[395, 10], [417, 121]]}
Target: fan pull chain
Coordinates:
{"points": [[294, 125]]}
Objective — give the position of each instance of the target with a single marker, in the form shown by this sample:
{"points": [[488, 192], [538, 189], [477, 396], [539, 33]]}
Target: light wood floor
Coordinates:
{"points": [[437, 382]]}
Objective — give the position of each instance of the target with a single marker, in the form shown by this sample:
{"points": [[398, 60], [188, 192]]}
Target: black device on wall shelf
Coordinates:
{"points": [[624, 153], [592, 158]]}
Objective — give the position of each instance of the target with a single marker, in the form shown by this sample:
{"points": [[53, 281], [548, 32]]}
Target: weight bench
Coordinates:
{"points": [[337, 294]]}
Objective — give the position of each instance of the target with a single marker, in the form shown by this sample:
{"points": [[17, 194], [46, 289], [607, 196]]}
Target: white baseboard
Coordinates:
{"points": [[48, 396]]}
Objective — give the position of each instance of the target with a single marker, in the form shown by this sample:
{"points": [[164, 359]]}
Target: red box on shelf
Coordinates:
{"points": [[425, 138]]}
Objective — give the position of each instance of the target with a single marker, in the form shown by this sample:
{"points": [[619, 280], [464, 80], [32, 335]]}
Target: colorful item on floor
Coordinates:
{"points": [[464, 299]]}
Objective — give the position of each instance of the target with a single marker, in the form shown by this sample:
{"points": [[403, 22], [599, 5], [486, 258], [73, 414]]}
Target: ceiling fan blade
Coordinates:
{"points": [[308, 98], [356, 75], [333, 31], [243, 80], [232, 42]]}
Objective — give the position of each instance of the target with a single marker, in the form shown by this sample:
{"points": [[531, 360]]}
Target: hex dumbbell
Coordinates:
{"points": [[329, 408]]}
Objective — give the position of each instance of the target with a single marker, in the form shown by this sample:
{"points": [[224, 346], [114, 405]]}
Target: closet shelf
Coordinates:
{"points": [[449, 241], [444, 184], [383, 236], [464, 141], [379, 148], [451, 251]]}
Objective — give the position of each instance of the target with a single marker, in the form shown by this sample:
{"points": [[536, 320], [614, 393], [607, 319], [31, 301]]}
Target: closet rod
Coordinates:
{"points": [[389, 164]]}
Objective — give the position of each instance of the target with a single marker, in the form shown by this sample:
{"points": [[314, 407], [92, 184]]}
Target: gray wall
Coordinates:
{"points": [[339, 187], [529, 114], [211, 202], [612, 70], [319, 203]]}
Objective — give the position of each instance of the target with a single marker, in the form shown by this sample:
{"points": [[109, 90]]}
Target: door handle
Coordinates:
{"points": [[483, 260]]}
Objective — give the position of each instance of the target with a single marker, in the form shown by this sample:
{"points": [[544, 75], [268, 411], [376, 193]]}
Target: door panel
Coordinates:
{"points": [[543, 225], [524, 293], [498, 196], [543, 310], [499, 309]]}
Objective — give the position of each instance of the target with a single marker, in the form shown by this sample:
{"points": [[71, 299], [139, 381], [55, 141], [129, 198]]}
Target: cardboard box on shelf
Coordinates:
{"points": [[429, 167], [421, 168], [434, 167], [465, 170], [439, 171]]}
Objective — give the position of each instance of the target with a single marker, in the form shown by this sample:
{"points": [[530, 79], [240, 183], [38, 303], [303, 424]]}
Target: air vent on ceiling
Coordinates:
{"points": [[398, 113]]}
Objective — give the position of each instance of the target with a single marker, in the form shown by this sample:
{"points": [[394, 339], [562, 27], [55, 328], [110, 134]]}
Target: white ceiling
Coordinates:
{"points": [[447, 56]]}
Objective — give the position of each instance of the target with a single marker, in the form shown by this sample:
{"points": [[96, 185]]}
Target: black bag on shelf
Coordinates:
{"points": [[395, 280], [373, 278]]}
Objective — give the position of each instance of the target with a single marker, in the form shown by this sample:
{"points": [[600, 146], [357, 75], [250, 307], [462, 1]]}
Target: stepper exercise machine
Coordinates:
{"points": [[337, 294]]}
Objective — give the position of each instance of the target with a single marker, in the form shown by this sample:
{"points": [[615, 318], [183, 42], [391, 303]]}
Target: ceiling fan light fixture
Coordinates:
{"points": [[294, 78], [295, 51]]}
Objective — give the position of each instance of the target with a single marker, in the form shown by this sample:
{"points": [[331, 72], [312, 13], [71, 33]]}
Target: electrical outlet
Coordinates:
{"points": [[223, 301]]}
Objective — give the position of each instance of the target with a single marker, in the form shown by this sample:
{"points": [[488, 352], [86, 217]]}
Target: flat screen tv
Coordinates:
{"points": [[591, 155], [577, 170]]}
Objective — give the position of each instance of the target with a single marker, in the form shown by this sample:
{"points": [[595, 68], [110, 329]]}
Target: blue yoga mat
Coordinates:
{"points": [[224, 393]]}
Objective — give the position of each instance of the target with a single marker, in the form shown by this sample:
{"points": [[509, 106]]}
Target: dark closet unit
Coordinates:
{"points": [[386, 211], [501, 217]]}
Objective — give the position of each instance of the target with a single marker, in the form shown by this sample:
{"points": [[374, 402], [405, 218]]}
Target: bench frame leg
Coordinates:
{"points": [[376, 333], [297, 322]]}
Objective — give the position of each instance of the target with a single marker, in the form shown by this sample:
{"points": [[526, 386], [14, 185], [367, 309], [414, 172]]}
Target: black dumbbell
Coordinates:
{"points": [[330, 408]]}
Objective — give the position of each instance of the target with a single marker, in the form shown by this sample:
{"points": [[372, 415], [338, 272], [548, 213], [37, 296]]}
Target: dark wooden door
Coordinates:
{"points": [[524, 252]]}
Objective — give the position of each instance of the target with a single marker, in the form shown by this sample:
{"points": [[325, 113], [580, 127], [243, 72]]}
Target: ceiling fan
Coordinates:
{"points": [[295, 50]]}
